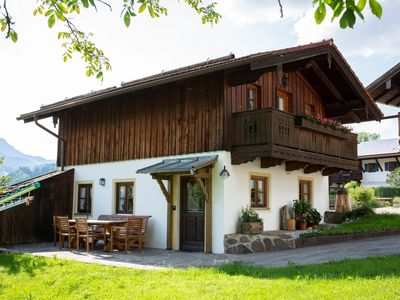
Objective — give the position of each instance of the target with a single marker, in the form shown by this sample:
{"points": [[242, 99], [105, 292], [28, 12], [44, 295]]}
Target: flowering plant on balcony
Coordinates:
{"points": [[329, 123]]}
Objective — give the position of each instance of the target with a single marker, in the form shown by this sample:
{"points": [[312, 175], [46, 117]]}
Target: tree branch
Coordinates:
{"points": [[280, 7]]}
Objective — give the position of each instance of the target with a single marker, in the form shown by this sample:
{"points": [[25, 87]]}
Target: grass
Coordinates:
{"points": [[371, 223], [28, 277]]}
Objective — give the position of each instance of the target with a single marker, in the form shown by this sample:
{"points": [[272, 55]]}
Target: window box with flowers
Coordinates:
{"points": [[323, 125], [250, 222]]}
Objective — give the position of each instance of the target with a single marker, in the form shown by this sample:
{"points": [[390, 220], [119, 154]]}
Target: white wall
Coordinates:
{"points": [[283, 189], [376, 178]]}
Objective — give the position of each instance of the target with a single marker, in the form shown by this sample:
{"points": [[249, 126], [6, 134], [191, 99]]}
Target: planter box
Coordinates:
{"points": [[251, 227], [300, 122]]}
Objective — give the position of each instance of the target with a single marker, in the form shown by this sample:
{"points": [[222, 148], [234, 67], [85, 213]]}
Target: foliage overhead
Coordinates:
{"points": [[366, 136], [74, 40]]}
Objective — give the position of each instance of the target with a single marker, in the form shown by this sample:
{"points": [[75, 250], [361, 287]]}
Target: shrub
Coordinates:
{"points": [[396, 200], [351, 185], [393, 178], [249, 215], [387, 203], [359, 212], [387, 191], [363, 196]]}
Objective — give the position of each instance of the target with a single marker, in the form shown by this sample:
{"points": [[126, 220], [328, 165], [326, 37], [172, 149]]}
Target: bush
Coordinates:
{"points": [[363, 196], [396, 200], [351, 185], [359, 212], [387, 191]]}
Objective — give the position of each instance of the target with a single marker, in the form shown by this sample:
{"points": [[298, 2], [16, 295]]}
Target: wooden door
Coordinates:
{"points": [[192, 216]]}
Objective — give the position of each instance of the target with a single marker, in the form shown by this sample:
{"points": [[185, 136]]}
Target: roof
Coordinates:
{"points": [[179, 165], [210, 66], [387, 94], [379, 148]]}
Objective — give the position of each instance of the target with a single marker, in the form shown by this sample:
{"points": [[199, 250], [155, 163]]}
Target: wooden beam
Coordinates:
{"points": [[202, 175], [312, 169], [379, 165], [330, 171], [267, 162], [324, 78], [294, 165], [208, 219], [394, 101], [203, 188], [167, 195]]}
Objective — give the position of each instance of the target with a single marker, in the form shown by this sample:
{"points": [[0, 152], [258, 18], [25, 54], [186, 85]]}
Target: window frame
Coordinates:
{"points": [[309, 182], [288, 102], [87, 197], [257, 98], [369, 169], [265, 182], [117, 186], [388, 165]]}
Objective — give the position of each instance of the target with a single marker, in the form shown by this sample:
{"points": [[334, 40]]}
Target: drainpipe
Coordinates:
{"points": [[62, 141]]}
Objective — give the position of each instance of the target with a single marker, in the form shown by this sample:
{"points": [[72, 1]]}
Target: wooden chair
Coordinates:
{"points": [[65, 230], [82, 232], [131, 233], [56, 230]]}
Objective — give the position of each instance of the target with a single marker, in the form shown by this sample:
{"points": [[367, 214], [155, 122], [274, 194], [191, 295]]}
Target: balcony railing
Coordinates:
{"points": [[278, 128]]}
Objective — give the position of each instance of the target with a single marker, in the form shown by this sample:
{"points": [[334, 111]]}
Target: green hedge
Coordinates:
{"points": [[387, 191]]}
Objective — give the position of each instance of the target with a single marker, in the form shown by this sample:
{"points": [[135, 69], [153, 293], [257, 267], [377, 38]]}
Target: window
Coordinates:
{"points": [[253, 97], [371, 168], [391, 165], [305, 188], [84, 198], [284, 101], [258, 192], [309, 109], [124, 198]]}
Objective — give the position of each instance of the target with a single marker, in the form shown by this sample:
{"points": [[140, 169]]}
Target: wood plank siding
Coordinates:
{"points": [[174, 119], [299, 90]]}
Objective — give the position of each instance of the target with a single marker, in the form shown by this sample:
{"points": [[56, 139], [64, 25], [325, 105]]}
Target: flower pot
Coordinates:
{"points": [[314, 226], [251, 227], [291, 224], [303, 225]]}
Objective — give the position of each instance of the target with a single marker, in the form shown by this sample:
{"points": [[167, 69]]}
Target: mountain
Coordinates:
{"points": [[20, 166]]}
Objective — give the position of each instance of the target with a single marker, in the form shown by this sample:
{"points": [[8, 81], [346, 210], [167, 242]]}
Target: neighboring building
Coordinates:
{"points": [[162, 145], [377, 159], [386, 88]]}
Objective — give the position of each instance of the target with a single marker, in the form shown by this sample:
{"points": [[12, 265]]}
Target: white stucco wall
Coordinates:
{"points": [[228, 196], [283, 188], [376, 178]]}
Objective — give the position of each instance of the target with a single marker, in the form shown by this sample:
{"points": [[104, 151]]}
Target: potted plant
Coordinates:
{"points": [[302, 210], [315, 218], [291, 222], [250, 222]]}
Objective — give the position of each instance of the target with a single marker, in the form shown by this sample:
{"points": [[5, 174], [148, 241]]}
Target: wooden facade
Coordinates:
{"points": [[170, 120], [33, 224]]}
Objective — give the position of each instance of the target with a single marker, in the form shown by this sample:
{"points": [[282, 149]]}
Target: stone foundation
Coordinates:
{"points": [[266, 241]]}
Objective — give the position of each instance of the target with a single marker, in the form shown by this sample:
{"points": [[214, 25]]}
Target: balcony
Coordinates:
{"points": [[275, 136]]}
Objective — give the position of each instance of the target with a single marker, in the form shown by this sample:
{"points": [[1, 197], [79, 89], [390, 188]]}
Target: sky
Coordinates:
{"points": [[32, 72]]}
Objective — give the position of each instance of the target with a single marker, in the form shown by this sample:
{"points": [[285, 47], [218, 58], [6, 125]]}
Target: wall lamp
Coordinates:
{"points": [[192, 170], [224, 173], [102, 181]]}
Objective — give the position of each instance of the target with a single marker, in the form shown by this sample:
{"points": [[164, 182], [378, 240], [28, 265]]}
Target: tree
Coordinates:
{"points": [[79, 42], [393, 178], [366, 136], [4, 180]]}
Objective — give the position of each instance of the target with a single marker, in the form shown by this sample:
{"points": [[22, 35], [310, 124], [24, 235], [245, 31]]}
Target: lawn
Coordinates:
{"points": [[371, 223], [28, 277]]}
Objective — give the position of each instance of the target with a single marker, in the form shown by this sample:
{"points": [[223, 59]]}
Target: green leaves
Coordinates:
{"points": [[51, 20], [127, 19], [346, 10]]}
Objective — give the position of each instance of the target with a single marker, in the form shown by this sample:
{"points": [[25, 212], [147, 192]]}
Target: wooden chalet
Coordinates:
{"points": [[243, 110]]}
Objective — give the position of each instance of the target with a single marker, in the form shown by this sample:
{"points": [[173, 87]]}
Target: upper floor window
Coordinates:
{"points": [[371, 167], [258, 192], [84, 198], [253, 97], [305, 189], [391, 165], [284, 101], [124, 197], [309, 109]]}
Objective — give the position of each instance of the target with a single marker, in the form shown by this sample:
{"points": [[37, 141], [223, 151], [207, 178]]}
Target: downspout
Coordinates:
{"points": [[62, 141]]}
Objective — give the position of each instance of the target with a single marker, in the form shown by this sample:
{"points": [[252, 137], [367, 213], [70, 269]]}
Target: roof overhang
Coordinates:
{"points": [[374, 156], [386, 88], [186, 165]]}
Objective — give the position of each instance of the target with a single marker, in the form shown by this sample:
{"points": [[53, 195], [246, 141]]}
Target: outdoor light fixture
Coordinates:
{"points": [[102, 181], [224, 173], [192, 170]]}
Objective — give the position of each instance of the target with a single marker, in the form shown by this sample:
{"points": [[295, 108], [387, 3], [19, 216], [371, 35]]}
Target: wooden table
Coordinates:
{"points": [[107, 224]]}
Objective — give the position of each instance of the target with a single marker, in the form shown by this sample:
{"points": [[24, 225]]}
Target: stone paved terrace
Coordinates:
{"points": [[153, 259]]}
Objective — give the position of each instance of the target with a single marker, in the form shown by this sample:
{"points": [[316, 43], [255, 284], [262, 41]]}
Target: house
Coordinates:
{"points": [[193, 146], [386, 88], [378, 159]]}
